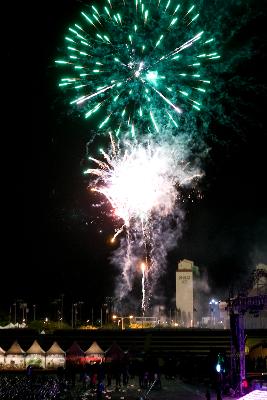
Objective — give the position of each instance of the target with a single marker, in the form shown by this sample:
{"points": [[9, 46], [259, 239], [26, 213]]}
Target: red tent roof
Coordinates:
{"points": [[74, 351], [115, 352]]}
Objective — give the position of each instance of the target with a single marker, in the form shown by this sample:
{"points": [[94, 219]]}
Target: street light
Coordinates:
{"points": [[34, 310], [214, 311], [23, 307], [122, 319], [74, 313]]}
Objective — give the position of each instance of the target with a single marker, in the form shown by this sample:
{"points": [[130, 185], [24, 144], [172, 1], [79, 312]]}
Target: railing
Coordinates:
{"points": [[246, 303]]}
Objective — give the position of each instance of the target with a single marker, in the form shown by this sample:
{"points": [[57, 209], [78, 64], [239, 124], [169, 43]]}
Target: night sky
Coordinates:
{"points": [[52, 239]]}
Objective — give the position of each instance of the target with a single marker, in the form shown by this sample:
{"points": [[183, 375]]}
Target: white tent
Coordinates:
{"points": [[35, 355], [11, 325], [55, 357], [94, 353], [15, 356], [2, 358], [8, 326]]}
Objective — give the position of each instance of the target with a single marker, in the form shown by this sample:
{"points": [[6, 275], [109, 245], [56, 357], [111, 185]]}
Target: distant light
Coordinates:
{"points": [[218, 368], [213, 301]]}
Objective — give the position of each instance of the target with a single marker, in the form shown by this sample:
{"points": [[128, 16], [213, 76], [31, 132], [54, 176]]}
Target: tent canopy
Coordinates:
{"points": [[55, 349], [115, 352], [74, 351], [15, 349], [94, 350], [35, 349]]}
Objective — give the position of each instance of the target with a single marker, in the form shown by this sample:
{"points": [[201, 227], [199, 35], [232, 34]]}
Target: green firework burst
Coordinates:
{"points": [[137, 65]]}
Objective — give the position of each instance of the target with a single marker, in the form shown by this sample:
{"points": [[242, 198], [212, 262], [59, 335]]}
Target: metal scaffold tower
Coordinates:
{"points": [[238, 306]]}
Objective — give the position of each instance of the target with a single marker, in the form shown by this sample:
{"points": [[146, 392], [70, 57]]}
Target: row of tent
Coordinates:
{"points": [[11, 325], [16, 358]]}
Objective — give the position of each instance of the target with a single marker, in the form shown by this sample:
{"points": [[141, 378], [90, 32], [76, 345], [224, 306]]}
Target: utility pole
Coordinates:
{"points": [[75, 315], [62, 308], [15, 312], [72, 315], [74, 312], [26, 316], [23, 307], [80, 303]]}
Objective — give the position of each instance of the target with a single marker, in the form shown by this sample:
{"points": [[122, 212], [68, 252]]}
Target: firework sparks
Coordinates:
{"points": [[141, 63], [142, 184], [140, 181]]}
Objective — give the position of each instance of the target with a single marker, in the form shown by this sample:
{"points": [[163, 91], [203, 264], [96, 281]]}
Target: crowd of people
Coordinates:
{"points": [[93, 380], [22, 387], [115, 375], [258, 364], [96, 380]]}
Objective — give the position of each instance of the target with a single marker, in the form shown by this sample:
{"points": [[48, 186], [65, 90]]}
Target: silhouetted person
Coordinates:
{"points": [[218, 393], [109, 377], [100, 390], [86, 380]]}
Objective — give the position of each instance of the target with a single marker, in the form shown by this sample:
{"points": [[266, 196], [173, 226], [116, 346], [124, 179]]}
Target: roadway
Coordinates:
{"points": [[171, 390]]}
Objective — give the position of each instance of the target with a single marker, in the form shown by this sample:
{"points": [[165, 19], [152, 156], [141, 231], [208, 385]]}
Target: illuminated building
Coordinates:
{"points": [[185, 293]]}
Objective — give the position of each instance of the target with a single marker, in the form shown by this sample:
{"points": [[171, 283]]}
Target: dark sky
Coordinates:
{"points": [[50, 245]]}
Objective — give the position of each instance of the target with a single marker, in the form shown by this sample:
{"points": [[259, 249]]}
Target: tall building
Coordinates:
{"points": [[185, 292]]}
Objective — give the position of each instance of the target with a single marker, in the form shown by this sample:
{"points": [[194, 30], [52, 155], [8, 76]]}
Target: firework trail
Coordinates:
{"points": [[143, 269], [142, 184]]}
